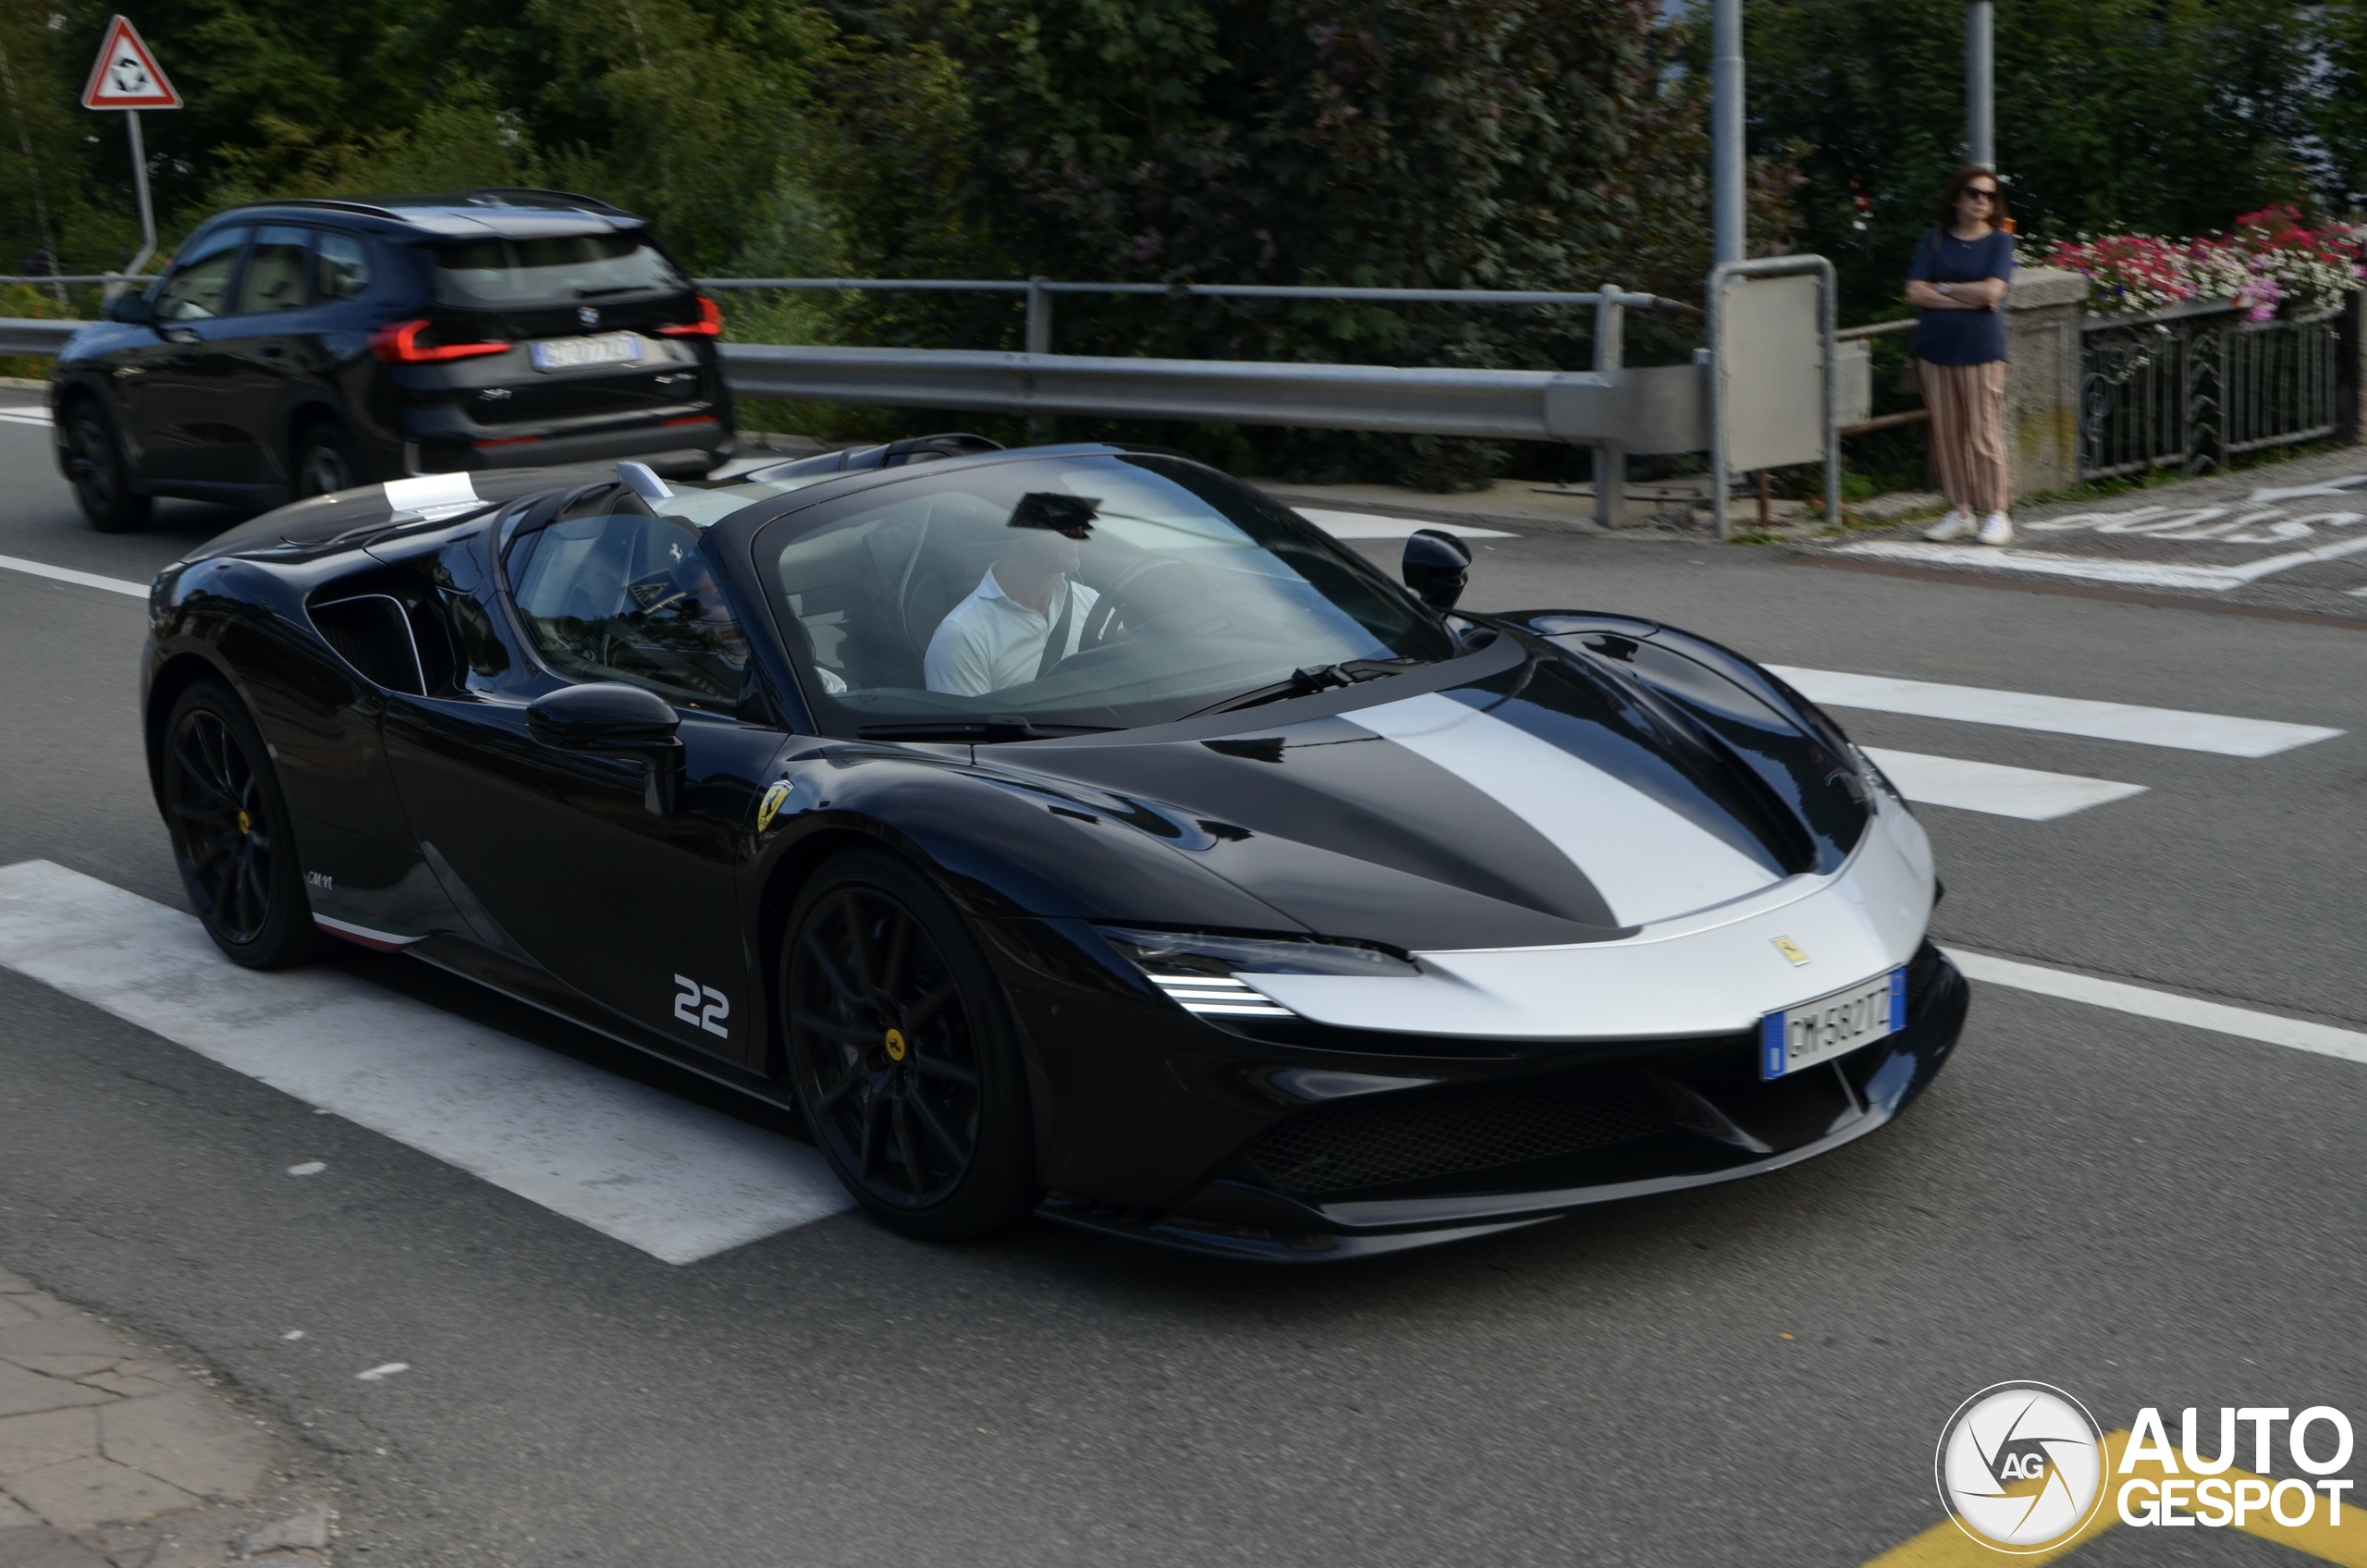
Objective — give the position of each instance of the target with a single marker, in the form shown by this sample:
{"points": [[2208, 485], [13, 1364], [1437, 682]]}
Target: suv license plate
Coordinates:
{"points": [[567, 353], [1833, 1025]]}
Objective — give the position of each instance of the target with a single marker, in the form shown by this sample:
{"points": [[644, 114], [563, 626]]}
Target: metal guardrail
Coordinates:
{"points": [[1653, 410], [34, 339], [2192, 387]]}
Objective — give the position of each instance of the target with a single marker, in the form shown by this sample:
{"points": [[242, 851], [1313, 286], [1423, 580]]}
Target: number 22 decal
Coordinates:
{"points": [[710, 1017]]}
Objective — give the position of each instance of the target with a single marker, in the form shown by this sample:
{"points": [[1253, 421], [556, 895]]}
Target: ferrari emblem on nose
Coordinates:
{"points": [[1791, 950]]}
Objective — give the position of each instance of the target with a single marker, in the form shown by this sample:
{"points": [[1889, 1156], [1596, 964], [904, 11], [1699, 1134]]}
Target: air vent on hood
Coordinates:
{"points": [[371, 633]]}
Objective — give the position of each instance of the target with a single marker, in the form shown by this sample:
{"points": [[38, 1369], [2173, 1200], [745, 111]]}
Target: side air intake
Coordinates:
{"points": [[371, 633]]}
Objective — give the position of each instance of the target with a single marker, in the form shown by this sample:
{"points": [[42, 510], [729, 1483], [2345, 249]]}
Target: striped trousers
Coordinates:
{"points": [[1967, 404]]}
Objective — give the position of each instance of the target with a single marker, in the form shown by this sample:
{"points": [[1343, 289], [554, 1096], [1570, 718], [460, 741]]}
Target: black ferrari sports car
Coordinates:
{"points": [[1070, 830]]}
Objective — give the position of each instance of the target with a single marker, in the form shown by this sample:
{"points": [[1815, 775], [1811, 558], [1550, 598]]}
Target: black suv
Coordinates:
{"points": [[299, 347]]}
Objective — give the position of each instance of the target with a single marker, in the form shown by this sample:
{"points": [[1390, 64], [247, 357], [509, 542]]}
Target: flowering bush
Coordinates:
{"points": [[2267, 265]]}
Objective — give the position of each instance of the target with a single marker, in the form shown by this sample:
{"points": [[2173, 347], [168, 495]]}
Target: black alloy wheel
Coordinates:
{"points": [[323, 461], [230, 832], [102, 477], [902, 1059]]}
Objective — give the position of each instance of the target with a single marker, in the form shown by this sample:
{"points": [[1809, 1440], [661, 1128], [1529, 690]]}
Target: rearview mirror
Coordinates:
{"points": [[1437, 566], [130, 306]]}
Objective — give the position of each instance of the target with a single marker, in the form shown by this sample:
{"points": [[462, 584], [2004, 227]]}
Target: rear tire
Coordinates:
{"points": [[324, 461], [101, 475], [903, 1057], [233, 842]]}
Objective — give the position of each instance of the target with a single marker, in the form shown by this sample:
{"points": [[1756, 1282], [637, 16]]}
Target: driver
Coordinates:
{"points": [[1025, 615]]}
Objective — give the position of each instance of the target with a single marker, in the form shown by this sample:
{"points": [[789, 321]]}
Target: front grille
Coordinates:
{"points": [[1379, 1140]]}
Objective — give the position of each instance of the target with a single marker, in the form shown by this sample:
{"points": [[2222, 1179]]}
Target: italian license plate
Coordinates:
{"points": [[1832, 1025], [605, 348]]}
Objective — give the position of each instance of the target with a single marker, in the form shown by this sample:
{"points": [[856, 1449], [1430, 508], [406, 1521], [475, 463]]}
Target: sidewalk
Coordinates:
{"points": [[111, 1457], [2285, 538]]}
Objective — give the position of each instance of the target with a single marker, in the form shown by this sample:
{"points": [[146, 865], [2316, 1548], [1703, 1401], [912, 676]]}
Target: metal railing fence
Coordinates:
{"points": [[2192, 387]]}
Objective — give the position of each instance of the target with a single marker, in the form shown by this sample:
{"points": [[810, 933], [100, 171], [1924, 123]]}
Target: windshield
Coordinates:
{"points": [[1073, 593], [554, 271]]}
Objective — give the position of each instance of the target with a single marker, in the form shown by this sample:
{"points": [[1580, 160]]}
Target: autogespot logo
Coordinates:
{"points": [[2021, 1466]]}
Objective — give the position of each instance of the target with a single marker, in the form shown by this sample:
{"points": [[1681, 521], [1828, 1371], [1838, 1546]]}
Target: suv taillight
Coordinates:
{"points": [[398, 343], [709, 324]]}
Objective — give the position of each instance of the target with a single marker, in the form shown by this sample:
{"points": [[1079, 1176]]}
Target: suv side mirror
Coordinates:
{"points": [[1437, 566], [127, 307]]}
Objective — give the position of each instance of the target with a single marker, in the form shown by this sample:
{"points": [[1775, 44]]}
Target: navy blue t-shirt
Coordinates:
{"points": [[1961, 337]]}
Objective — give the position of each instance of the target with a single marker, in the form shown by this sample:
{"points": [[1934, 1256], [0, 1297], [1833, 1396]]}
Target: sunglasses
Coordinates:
{"points": [[1990, 195]]}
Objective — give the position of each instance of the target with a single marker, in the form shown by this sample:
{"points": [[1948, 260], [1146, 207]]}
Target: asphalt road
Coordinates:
{"points": [[2140, 1212]]}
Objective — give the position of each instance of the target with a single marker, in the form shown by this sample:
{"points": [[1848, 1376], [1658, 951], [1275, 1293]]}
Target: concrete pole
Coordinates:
{"points": [[1726, 231], [1980, 82]]}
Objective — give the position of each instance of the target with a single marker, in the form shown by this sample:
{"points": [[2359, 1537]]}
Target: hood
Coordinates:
{"points": [[1567, 799]]}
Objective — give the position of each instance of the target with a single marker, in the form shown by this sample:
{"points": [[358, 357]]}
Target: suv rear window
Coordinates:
{"points": [[553, 271]]}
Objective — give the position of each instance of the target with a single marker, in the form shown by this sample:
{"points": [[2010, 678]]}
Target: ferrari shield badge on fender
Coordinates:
{"points": [[770, 804], [1784, 945]]}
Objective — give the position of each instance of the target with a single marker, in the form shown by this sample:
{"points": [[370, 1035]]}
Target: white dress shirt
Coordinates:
{"points": [[990, 640]]}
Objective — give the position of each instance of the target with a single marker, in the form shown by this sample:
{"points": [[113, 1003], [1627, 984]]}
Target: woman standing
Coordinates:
{"points": [[1957, 282]]}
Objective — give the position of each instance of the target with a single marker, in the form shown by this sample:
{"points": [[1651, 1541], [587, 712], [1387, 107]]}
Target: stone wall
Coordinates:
{"points": [[2042, 395]]}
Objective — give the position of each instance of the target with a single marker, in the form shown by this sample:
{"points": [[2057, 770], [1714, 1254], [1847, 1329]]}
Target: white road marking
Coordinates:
{"points": [[1370, 525], [67, 574], [293, 1334], [2056, 716], [310, 1168], [388, 1370], [677, 1181], [2143, 574], [1996, 789], [26, 416], [1647, 860], [2168, 1006]]}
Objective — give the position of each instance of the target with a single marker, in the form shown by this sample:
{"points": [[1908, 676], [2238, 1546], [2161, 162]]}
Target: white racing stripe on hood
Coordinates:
{"points": [[1647, 862], [433, 493]]}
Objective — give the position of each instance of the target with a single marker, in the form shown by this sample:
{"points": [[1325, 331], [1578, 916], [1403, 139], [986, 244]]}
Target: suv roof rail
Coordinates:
{"points": [[487, 196]]}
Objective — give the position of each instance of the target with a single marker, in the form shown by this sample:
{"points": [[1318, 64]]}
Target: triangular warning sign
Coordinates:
{"points": [[126, 76]]}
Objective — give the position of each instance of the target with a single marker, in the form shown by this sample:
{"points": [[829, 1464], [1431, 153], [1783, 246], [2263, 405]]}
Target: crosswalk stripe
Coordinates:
{"points": [[2221, 733], [67, 574], [25, 416], [1994, 788], [2323, 1039], [676, 1180]]}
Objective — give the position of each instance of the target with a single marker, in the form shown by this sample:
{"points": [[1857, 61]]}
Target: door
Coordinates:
{"points": [[191, 444], [265, 364], [625, 892]]}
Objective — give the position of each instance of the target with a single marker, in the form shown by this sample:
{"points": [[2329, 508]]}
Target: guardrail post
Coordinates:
{"points": [[1610, 353], [1039, 317]]}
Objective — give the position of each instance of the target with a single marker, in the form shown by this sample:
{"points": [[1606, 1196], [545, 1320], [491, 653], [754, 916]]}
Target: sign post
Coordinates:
{"points": [[125, 77]]}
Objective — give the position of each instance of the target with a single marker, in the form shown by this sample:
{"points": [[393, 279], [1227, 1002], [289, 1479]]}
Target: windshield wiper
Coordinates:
{"points": [[611, 288], [1315, 678], [1000, 728]]}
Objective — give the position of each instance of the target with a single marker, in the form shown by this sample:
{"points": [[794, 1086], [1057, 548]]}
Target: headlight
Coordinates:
{"points": [[1197, 970]]}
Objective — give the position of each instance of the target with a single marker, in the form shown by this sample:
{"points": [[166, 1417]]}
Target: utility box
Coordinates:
{"points": [[1771, 360]]}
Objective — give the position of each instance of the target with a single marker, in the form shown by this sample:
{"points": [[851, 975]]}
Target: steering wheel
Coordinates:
{"points": [[1104, 614]]}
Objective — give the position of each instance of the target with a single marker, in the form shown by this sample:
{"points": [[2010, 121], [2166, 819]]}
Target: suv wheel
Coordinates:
{"points": [[101, 478], [324, 461]]}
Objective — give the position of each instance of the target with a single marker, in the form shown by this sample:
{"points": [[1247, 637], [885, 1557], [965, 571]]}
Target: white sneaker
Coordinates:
{"points": [[1956, 525], [1996, 529]]}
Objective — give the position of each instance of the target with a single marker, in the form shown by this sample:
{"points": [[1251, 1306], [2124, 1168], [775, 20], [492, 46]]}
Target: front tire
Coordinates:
{"points": [[99, 472], [232, 839], [904, 1059]]}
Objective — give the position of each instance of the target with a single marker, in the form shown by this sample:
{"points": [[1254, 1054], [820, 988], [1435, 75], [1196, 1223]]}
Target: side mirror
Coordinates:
{"points": [[608, 715], [1437, 566], [129, 306]]}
